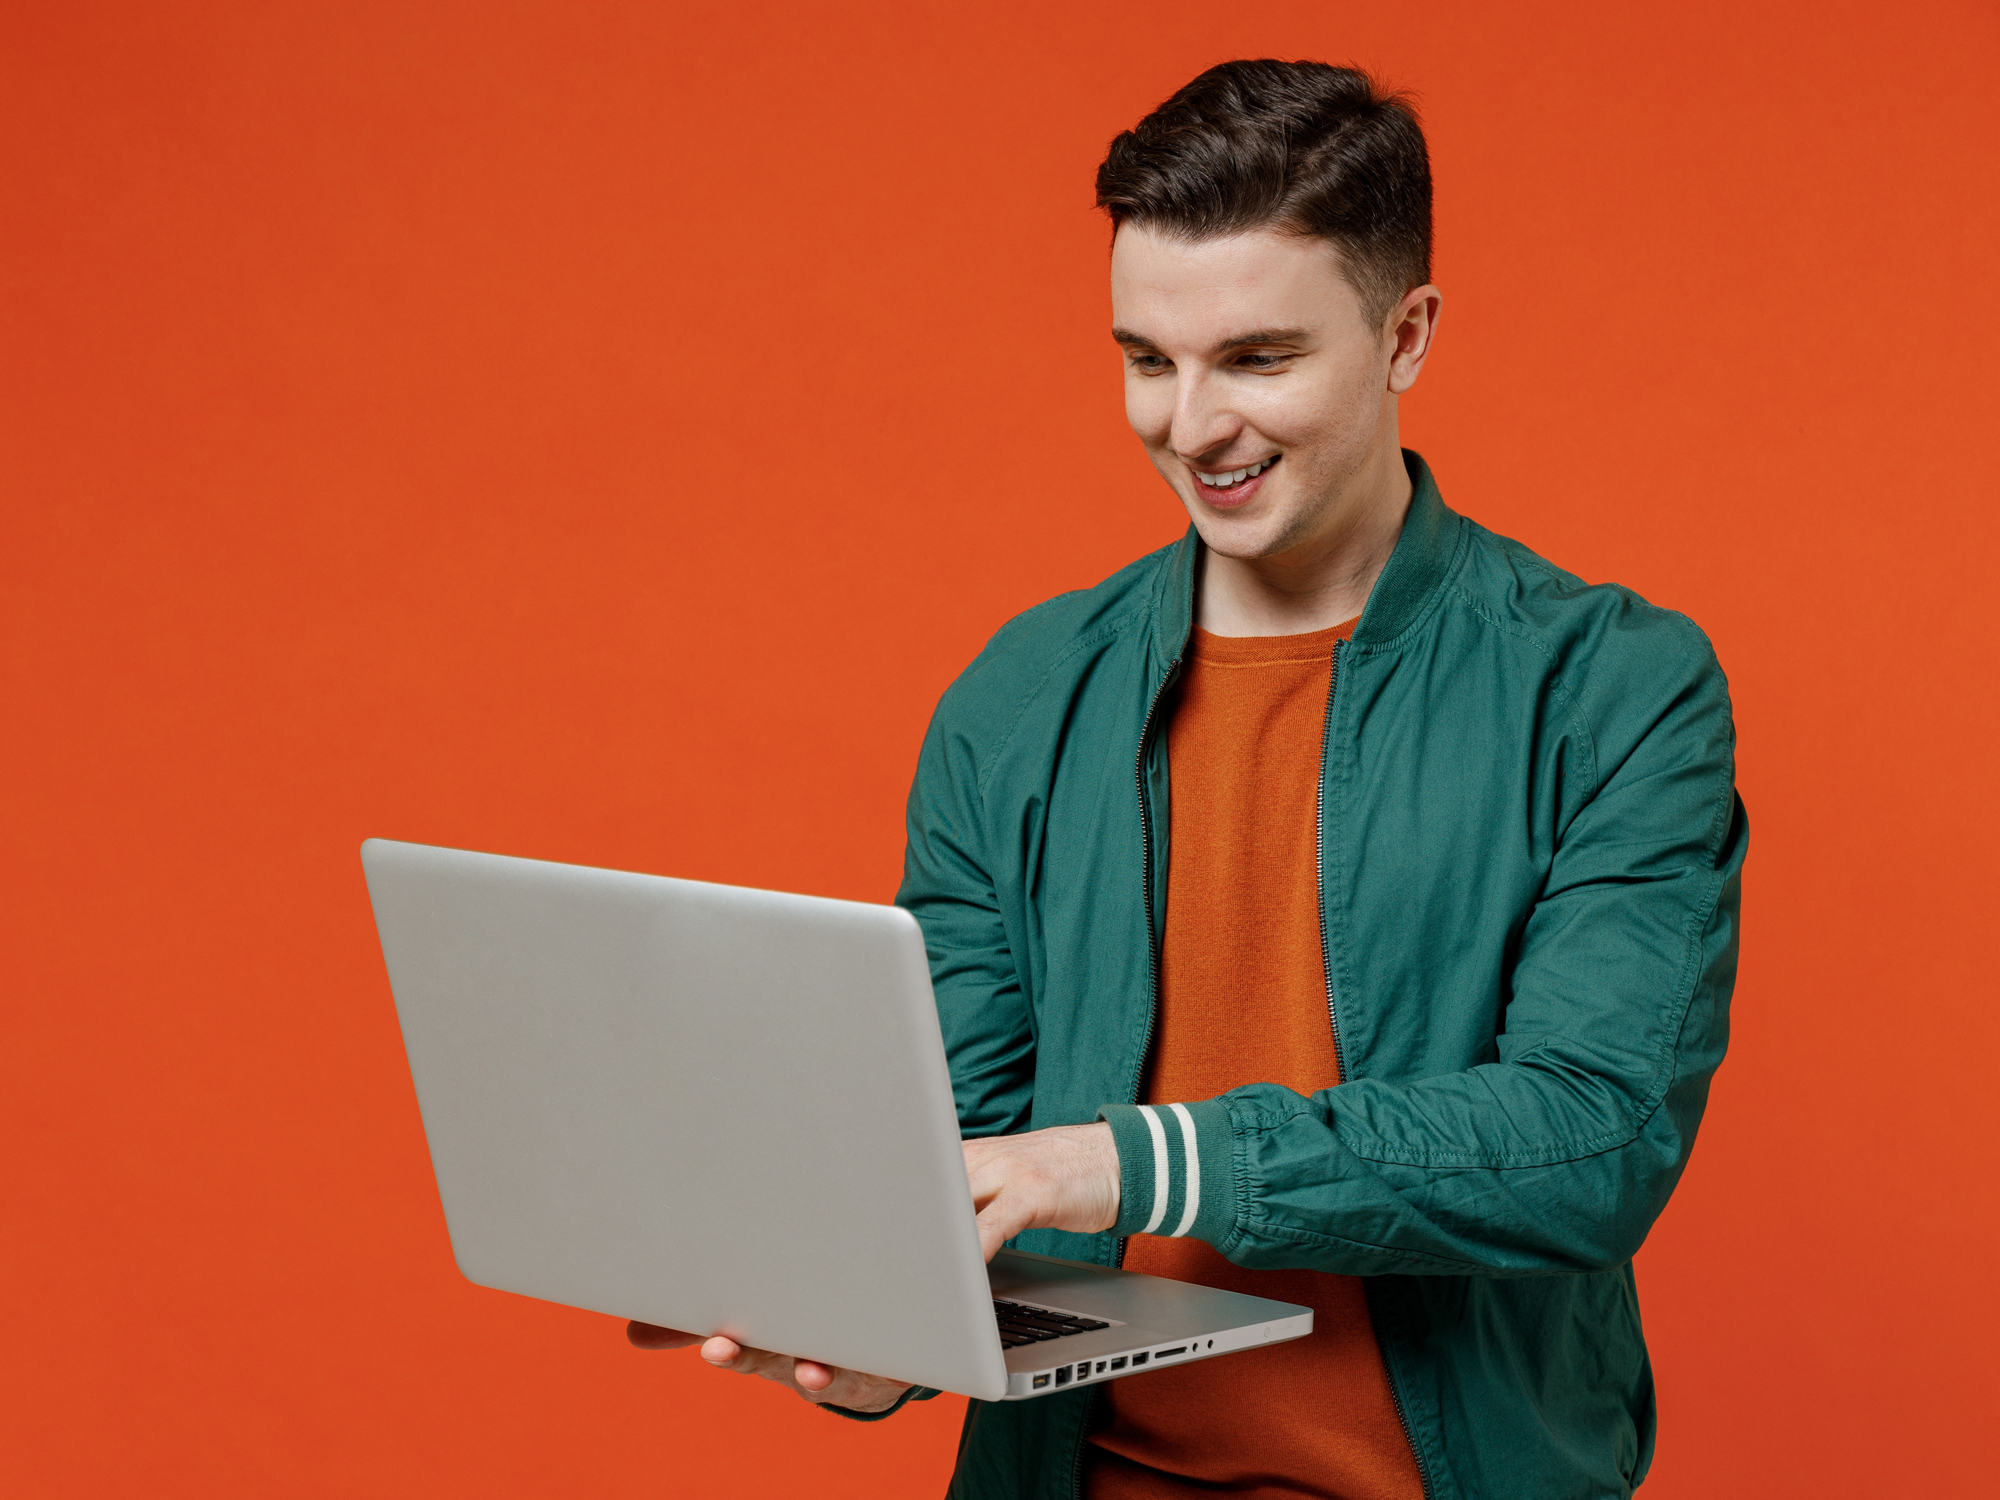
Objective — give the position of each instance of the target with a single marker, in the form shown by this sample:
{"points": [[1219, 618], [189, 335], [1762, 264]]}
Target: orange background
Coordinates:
{"points": [[599, 432]]}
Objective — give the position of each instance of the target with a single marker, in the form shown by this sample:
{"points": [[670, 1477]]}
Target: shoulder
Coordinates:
{"points": [[1052, 642], [1617, 668], [1594, 634]]}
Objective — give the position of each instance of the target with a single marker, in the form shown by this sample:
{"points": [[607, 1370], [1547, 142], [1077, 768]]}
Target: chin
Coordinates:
{"points": [[1244, 538]]}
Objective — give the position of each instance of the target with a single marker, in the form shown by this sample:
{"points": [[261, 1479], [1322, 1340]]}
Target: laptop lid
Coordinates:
{"points": [[710, 1108]]}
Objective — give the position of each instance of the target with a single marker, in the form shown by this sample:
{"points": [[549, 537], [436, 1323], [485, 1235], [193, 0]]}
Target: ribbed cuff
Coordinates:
{"points": [[914, 1393], [1173, 1169]]}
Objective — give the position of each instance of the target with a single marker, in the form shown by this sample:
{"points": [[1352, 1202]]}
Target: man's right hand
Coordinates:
{"points": [[823, 1385]]}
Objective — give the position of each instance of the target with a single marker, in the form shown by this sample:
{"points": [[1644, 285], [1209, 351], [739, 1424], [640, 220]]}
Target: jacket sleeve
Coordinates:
{"points": [[989, 1035], [1558, 1156]]}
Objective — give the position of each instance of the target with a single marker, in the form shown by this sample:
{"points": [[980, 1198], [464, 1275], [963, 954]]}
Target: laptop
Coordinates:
{"points": [[725, 1110]]}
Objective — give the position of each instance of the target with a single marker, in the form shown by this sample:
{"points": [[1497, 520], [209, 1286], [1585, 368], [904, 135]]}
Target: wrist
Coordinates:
{"points": [[1107, 1184]]}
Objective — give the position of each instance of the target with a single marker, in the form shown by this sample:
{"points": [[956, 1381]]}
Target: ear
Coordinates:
{"points": [[1408, 331]]}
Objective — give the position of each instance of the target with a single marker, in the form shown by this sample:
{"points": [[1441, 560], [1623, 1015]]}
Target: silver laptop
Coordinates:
{"points": [[727, 1111]]}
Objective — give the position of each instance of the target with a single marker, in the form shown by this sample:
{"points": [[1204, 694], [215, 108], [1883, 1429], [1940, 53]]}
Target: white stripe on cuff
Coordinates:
{"points": [[1160, 1178], [1194, 1169]]}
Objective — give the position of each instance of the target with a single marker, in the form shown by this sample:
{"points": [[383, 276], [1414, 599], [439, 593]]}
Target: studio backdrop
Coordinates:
{"points": [[600, 431]]}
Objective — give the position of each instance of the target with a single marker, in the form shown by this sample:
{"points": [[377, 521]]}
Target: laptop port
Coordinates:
{"points": [[1041, 1382], [1062, 1375], [1118, 1363], [1162, 1354], [1140, 1359], [1100, 1367]]}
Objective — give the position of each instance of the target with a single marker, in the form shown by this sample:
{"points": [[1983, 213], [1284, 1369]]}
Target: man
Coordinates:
{"points": [[1338, 905]]}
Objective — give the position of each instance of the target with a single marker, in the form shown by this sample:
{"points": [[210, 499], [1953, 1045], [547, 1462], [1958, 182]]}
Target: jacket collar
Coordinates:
{"points": [[1423, 556], [1416, 567]]}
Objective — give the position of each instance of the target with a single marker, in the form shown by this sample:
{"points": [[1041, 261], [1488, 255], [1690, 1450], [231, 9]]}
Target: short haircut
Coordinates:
{"points": [[1301, 147]]}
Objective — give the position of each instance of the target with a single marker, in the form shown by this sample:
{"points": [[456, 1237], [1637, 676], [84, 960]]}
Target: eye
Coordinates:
{"points": [[1148, 363], [1263, 361]]}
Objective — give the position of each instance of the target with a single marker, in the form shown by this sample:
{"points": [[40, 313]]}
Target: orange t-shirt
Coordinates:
{"points": [[1243, 999]]}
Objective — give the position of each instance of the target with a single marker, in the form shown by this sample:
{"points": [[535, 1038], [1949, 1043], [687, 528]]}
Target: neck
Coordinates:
{"points": [[1319, 582]]}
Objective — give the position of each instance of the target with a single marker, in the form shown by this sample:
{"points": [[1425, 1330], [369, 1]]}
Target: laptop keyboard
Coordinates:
{"points": [[1021, 1324]]}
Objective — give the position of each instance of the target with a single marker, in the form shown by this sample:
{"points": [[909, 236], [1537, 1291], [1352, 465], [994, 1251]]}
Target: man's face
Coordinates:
{"points": [[1246, 351]]}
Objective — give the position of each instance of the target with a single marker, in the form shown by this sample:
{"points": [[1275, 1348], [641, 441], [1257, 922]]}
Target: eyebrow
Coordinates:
{"points": [[1234, 341]]}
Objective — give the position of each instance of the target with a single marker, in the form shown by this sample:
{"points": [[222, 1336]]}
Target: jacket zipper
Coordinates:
{"points": [[1152, 967], [1333, 1019], [1146, 871], [1319, 861], [1146, 893], [1409, 1436]]}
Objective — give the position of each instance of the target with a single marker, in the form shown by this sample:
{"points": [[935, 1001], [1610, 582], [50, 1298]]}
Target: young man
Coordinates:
{"points": [[1339, 905]]}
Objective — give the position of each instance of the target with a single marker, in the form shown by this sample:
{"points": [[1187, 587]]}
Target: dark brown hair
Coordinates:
{"points": [[1302, 147]]}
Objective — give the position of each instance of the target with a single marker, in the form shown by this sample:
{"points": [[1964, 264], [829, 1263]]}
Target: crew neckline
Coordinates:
{"points": [[1243, 650]]}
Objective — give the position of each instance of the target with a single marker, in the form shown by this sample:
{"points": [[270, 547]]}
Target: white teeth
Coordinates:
{"points": [[1224, 480]]}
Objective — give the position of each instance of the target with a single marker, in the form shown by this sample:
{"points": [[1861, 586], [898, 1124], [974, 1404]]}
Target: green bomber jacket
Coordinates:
{"points": [[1530, 849]]}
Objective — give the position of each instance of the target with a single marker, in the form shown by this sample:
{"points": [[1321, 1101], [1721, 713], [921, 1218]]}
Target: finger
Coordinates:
{"points": [[811, 1379], [986, 1170], [858, 1392], [983, 1181], [999, 1223], [652, 1336], [995, 1179], [813, 1376], [726, 1354]]}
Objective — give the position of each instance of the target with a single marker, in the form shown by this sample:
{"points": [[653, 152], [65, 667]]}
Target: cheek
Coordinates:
{"points": [[1323, 417]]}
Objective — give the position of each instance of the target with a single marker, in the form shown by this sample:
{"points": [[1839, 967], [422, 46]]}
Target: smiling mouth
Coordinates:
{"points": [[1231, 487], [1230, 477]]}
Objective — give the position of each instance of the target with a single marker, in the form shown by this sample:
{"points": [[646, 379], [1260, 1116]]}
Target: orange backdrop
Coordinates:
{"points": [[599, 432]]}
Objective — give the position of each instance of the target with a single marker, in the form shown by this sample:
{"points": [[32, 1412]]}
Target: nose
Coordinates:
{"points": [[1204, 424]]}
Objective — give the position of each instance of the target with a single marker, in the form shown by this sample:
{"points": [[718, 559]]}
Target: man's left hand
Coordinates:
{"points": [[1062, 1178]]}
